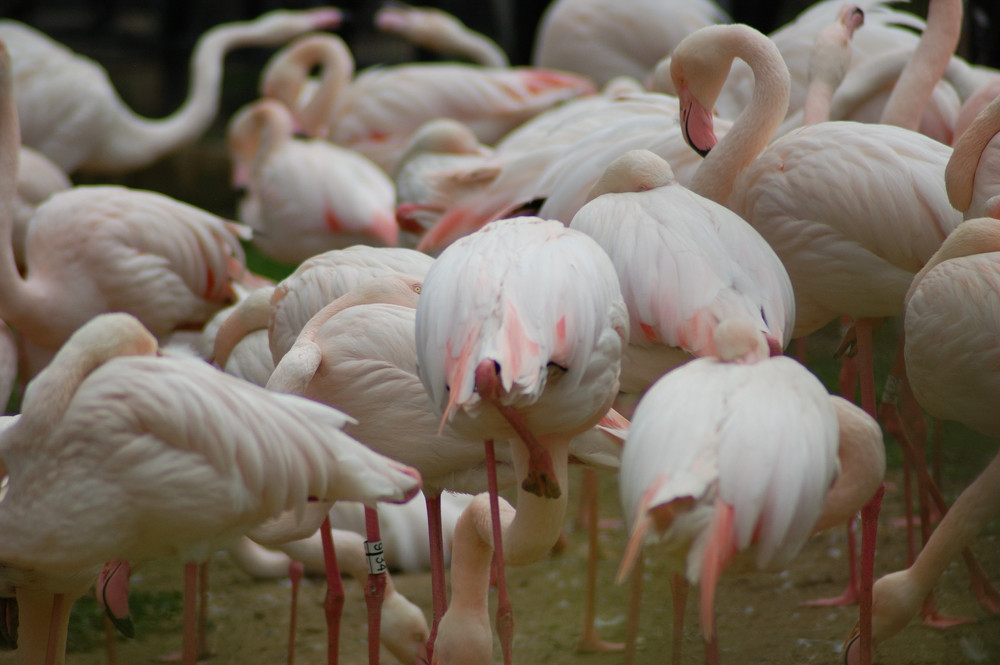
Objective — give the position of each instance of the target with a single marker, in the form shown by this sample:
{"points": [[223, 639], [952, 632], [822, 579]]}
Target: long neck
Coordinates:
{"points": [[538, 521], [974, 508], [960, 173], [13, 300], [137, 141], [758, 122], [912, 92], [337, 69]]}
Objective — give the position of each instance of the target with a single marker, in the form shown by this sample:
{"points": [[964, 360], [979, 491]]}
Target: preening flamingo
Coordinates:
{"points": [[684, 263], [358, 353], [71, 112], [376, 111], [520, 330], [952, 319], [728, 457], [604, 39], [313, 285], [440, 32], [305, 196], [160, 456]]}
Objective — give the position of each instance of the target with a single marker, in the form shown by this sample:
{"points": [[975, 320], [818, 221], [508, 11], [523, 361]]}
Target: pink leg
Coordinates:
{"points": [[439, 591], [848, 380], [869, 528], [505, 611], [589, 641], [375, 586], [850, 594], [54, 623], [204, 651], [189, 644], [333, 606], [634, 606], [679, 587], [295, 572]]}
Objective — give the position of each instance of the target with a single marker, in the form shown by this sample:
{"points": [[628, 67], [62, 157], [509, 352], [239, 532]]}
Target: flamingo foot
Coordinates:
{"points": [[591, 643], [935, 620], [848, 597], [986, 593]]}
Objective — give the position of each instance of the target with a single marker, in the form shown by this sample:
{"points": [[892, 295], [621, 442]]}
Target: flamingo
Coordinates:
{"points": [[889, 31], [106, 248], [358, 353], [438, 31], [807, 218], [950, 319], [684, 263], [159, 455], [305, 196], [520, 330], [603, 39], [313, 285], [376, 111], [729, 458], [73, 115]]}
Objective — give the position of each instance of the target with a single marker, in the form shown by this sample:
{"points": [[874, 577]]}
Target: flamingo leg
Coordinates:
{"points": [[851, 591], [375, 585], [505, 611], [589, 641], [869, 529], [634, 606], [333, 605], [848, 381], [439, 592], [679, 587], [52, 647], [189, 643], [203, 649], [295, 571]]}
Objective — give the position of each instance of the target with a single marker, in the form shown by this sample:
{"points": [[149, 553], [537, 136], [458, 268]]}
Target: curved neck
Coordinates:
{"points": [[756, 125], [972, 510], [960, 173], [137, 141], [538, 520], [971, 237], [476, 47], [287, 75], [913, 90]]}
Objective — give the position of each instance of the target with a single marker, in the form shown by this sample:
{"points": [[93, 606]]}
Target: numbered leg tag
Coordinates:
{"points": [[375, 557]]}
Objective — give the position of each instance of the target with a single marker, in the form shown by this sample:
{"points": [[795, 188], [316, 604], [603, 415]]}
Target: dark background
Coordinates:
{"points": [[150, 40]]}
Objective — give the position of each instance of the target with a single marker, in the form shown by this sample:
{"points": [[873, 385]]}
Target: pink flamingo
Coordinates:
{"points": [[376, 111], [72, 114], [440, 32], [305, 196], [972, 176], [604, 39], [159, 455], [520, 330], [107, 248], [729, 458], [950, 320]]}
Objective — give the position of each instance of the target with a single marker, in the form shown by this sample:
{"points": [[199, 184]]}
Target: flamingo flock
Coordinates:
{"points": [[477, 277]]}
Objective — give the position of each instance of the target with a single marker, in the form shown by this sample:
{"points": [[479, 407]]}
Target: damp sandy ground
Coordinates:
{"points": [[759, 617]]}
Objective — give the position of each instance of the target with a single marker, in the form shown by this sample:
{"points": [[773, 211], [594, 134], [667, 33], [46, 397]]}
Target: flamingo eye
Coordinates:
{"points": [[417, 289]]}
